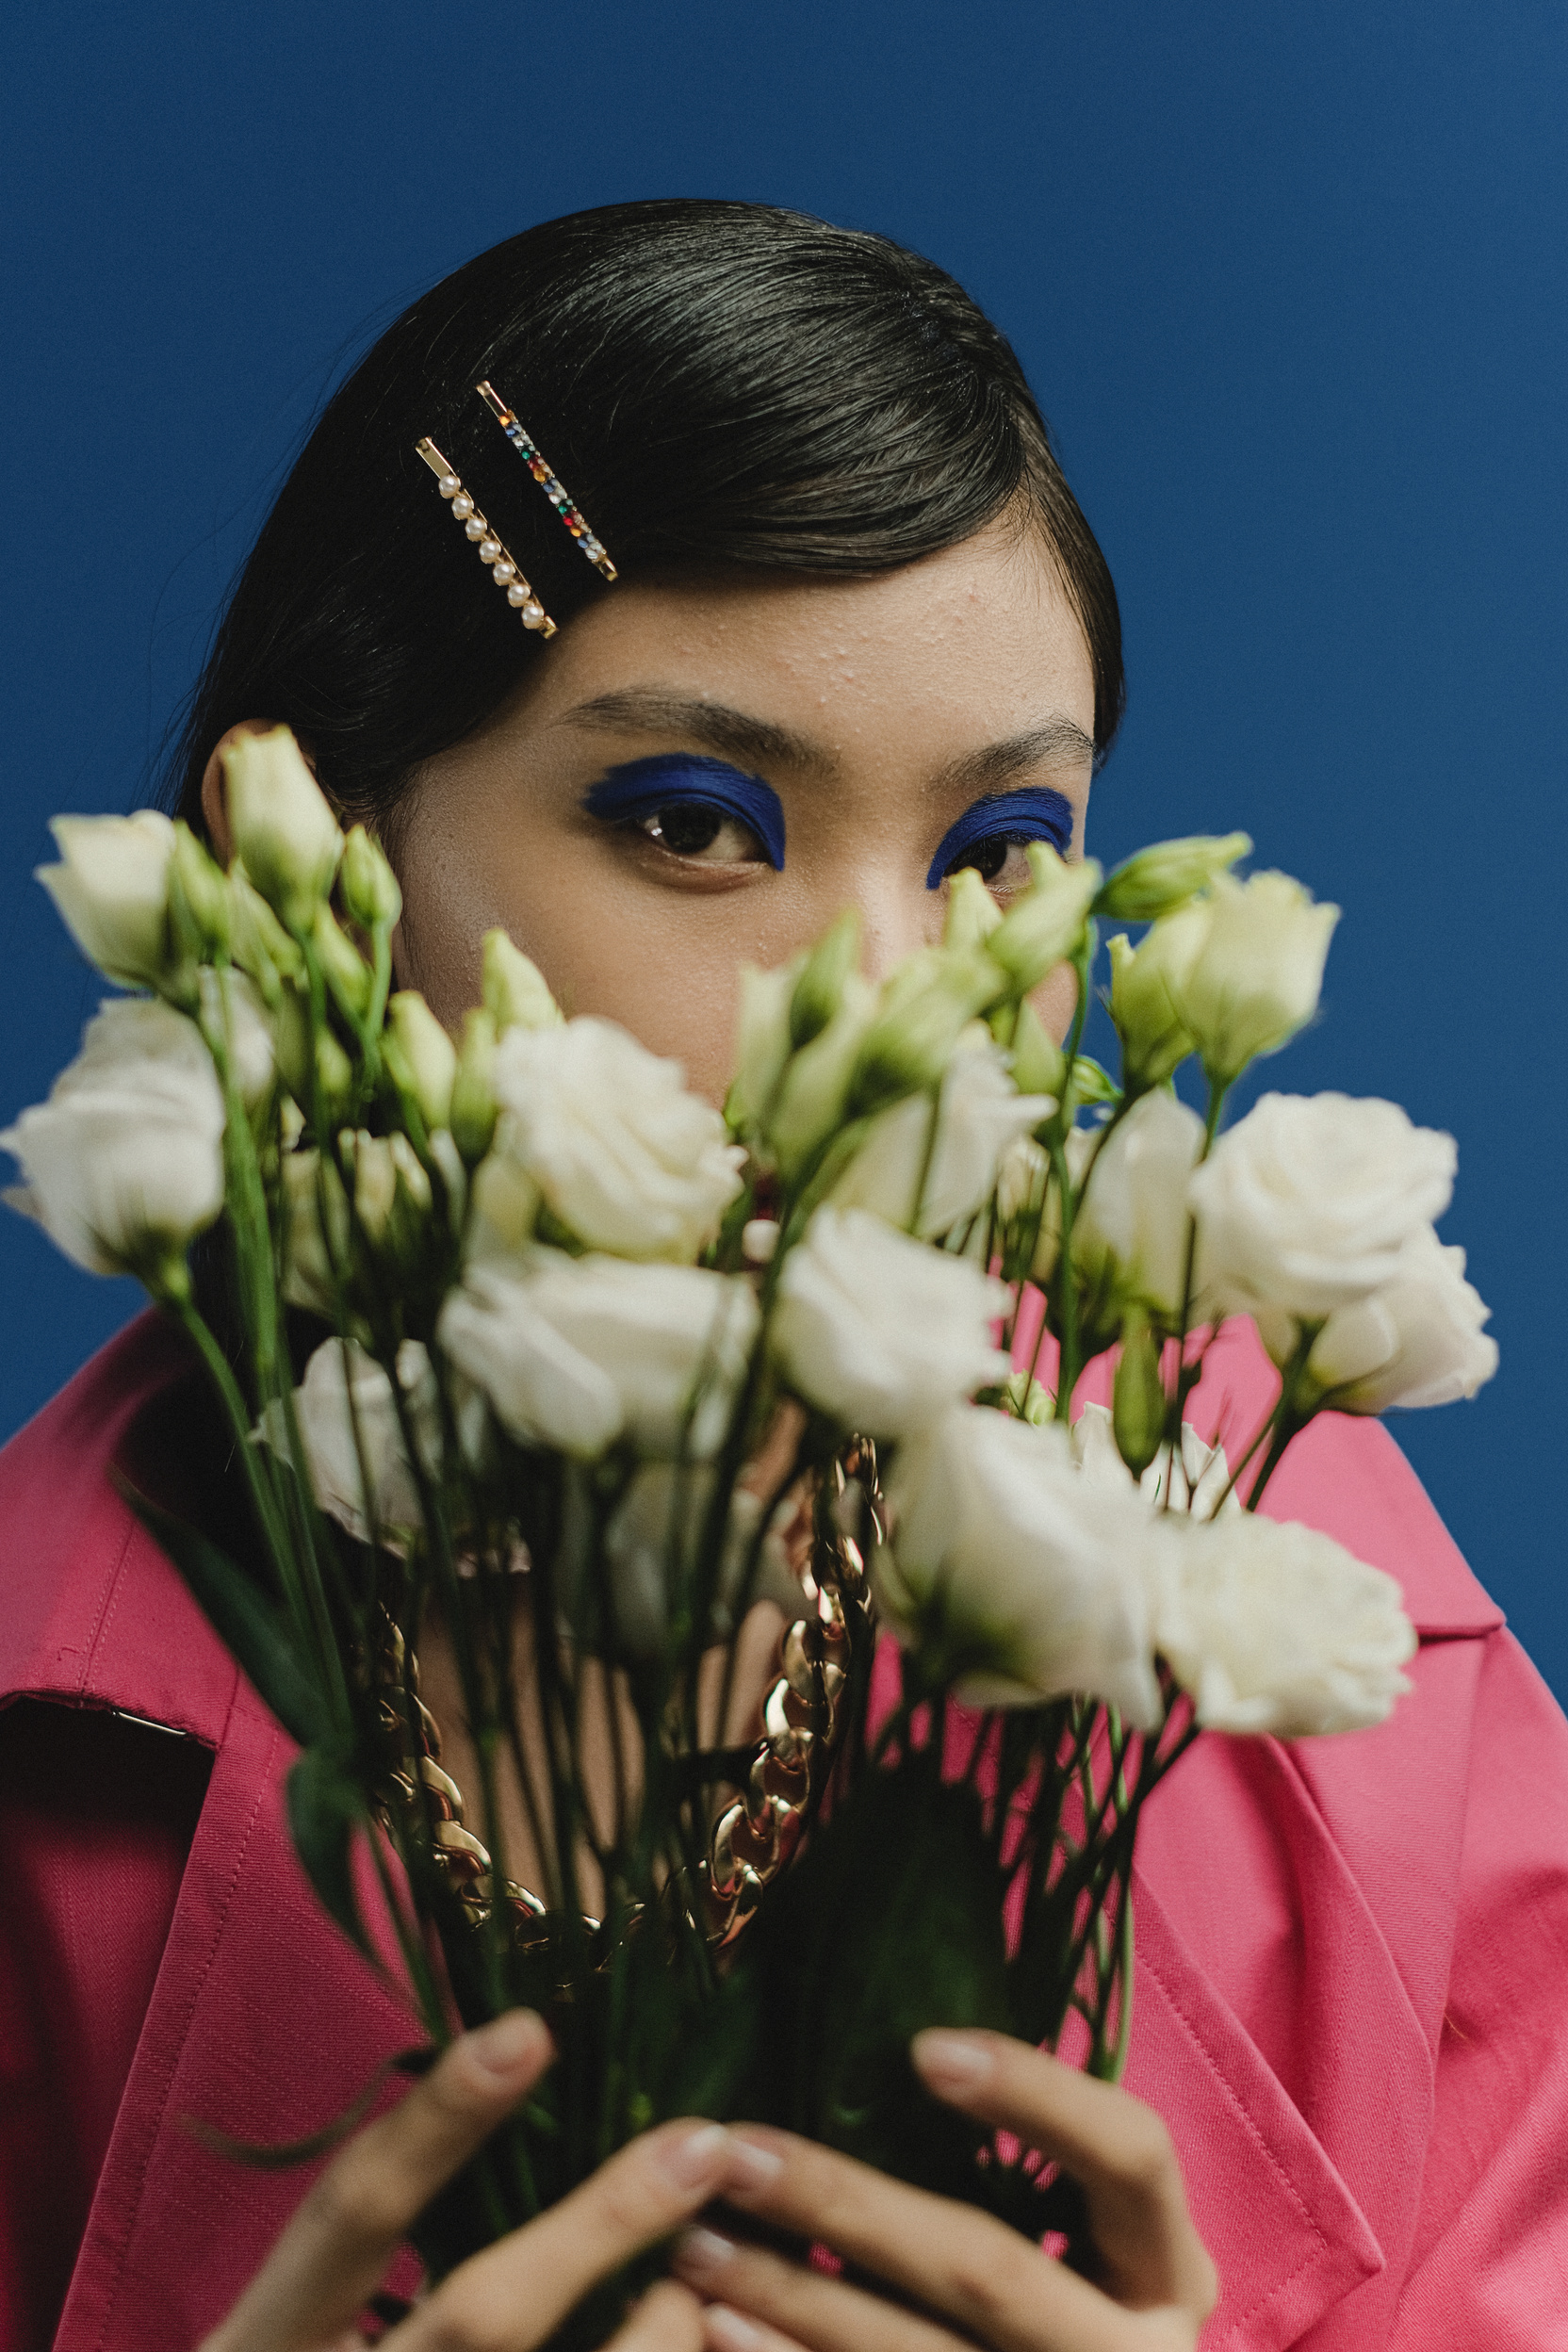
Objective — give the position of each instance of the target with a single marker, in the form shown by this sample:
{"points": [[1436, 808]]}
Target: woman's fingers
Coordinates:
{"points": [[513, 2295], [1113, 2147], [955, 2261], [332, 2254], [794, 2303], [668, 2319]]}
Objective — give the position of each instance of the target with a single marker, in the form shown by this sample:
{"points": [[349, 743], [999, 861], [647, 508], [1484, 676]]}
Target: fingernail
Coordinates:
{"points": [[501, 2045], [753, 2167], [698, 2158], [729, 2331], [702, 2250], [959, 2062]]}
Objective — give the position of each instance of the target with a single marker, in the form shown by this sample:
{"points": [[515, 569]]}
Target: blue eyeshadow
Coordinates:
{"points": [[1032, 813], [642, 787]]}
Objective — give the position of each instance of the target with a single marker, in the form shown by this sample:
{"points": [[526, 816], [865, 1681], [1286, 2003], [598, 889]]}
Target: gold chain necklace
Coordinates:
{"points": [[754, 1836]]}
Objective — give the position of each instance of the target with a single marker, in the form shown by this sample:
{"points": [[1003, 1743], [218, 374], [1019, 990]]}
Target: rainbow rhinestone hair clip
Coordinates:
{"points": [[504, 568], [528, 449]]}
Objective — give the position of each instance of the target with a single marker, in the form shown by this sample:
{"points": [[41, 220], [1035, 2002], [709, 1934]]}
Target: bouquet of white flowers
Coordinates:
{"points": [[527, 1343]]}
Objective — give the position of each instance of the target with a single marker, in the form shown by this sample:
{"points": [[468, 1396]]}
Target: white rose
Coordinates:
{"points": [[111, 888], [1273, 1627], [340, 1370], [980, 1115], [1243, 967], [1418, 1341], [1307, 1202], [284, 830], [880, 1331], [1007, 1564], [123, 1164], [574, 1353], [622, 1153], [1201, 1484], [1135, 1207]]}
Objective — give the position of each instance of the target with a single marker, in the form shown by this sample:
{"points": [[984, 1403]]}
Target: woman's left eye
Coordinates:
{"points": [[693, 829], [999, 860]]}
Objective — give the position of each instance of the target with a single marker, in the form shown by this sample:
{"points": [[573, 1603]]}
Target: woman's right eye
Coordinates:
{"points": [[693, 829]]}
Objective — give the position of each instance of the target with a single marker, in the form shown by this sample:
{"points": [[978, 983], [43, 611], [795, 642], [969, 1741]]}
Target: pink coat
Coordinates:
{"points": [[1352, 1954]]}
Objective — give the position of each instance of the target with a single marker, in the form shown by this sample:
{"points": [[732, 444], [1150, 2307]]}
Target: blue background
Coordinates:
{"points": [[1289, 284]]}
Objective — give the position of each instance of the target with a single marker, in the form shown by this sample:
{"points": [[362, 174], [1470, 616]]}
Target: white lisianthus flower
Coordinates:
{"points": [[622, 1153], [284, 830], [1243, 967], [344, 1388], [980, 1115], [1028, 1577], [575, 1353], [123, 1164], [879, 1331], [111, 889], [1201, 1481], [1270, 1627], [1307, 1203], [1134, 1208], [1418, 1341]]}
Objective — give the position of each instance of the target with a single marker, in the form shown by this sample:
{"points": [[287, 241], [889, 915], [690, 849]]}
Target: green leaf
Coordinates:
{"points": [[325, 1807], [255, 1632]]}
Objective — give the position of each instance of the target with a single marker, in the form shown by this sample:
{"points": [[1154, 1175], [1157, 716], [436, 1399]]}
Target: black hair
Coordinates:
{"points": [[717, 384]]}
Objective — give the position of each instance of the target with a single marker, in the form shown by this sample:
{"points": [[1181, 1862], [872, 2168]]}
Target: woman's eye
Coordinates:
{"points": [[691, 828], [999, 860]]}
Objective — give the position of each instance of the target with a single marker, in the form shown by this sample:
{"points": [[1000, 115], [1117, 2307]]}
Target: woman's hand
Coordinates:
{"points": [[974, 2280], [332, 2257]]}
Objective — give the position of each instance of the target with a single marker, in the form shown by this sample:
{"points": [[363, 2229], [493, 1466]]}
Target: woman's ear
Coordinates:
{"points": [[215, 801]]}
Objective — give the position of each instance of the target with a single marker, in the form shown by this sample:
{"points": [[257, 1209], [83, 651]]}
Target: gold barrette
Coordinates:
{"points": [[528, 449], [504, 568]]}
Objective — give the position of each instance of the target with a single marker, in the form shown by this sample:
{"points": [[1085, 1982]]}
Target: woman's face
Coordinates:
{"points": [[877, 711]]}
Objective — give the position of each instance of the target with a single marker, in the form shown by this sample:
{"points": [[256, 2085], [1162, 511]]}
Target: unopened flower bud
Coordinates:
{"points": [[814, 1097], [1164, 876], [421, 1056], [515, 996], [347, 973], [1046, 926], [1154, 1041], [112, 890], [335, 1078], [820, 988], [1039, 1065], [1137, 1398], [370, 894], [926, 1006], [973, 913], [258, 944], [473, 1106], [1256, 971], [283, 827], [198, 901]]}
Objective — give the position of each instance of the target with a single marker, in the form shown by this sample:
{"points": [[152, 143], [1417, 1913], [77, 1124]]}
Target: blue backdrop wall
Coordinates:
{"points": [[1288, 281]]}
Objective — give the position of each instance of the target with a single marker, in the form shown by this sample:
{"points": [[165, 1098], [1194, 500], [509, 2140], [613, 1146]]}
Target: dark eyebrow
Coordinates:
{"points": [[734, 734], [993, 770]]}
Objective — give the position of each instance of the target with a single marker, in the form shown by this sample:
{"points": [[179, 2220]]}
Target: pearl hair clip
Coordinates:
{"points": [[528, 450], [504, 568]]}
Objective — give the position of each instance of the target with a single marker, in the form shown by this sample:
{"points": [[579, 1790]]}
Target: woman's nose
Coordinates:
{"points": [[897, 920]]}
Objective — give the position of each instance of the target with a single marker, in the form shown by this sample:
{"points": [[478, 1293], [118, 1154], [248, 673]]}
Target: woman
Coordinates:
{"points": [[857, 614]]}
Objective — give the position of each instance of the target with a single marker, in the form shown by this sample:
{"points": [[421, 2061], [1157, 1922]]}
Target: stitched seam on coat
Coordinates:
{"points": [[104, 1610], [124, 2248], [1263, 2147]]}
